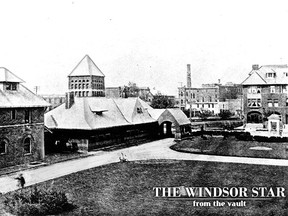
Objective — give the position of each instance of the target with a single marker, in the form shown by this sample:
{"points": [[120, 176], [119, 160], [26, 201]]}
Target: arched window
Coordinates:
{"points": [[3, 146], [27, 145]]}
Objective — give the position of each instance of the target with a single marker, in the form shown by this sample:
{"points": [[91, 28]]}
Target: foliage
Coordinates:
{"points": [[36, 202], [205, 114], [225, 114], [230, 93], [160, 101], [133, 89]]}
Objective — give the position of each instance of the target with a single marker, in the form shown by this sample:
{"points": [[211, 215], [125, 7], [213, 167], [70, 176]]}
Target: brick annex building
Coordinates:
{"points": [[265, 92], [21, 122]]}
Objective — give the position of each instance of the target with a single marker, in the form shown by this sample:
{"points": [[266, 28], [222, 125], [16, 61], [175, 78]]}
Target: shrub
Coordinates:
{"points": [[36, 202]]}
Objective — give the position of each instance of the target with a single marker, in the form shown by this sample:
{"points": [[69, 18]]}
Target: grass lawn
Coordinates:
{"points": [[126, 188], [231, 147]]}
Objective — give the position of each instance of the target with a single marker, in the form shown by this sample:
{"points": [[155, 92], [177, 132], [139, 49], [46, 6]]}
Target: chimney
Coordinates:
{"points": [[255, 67], [188, 76], [69, 100]]}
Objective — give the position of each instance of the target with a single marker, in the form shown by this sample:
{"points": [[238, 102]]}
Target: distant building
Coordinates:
{"points": [[265, 92], [54, 100], [21, 122], [212, 97], [124, 92]]}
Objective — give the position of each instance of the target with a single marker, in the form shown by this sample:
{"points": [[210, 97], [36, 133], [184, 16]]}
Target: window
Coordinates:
{"points": [[3, 146], [202, 105], [212, 105], [272, 89], [202, 99], [197, 105], [208, 105], [87, 86], [13, 114], [193, 95], [276, 103], [254, 102], [27, 116], [27, 145], [75, 86], [83, 86], [210, 99], [11, 86], [71, 86], [270, 75], [139, 110], [270, 103]]}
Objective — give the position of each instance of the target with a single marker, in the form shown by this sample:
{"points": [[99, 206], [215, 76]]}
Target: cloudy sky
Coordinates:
{"points": [[149, 42]]}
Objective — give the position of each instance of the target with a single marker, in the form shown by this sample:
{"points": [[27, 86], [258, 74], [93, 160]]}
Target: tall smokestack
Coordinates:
{"points": [[188, 76]]}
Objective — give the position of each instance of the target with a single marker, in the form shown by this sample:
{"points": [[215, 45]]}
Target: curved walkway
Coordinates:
{"points": [[152, 150]]}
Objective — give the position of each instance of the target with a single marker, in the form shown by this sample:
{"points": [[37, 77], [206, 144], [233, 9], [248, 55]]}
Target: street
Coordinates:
{"points": [[153, 150]]}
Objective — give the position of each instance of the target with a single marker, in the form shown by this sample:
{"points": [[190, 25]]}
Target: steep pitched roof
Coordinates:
{"points": [[259, 77], [116, 112], [179, 116], [254, 79], [86, 67], [23, 97], [8, 76]]}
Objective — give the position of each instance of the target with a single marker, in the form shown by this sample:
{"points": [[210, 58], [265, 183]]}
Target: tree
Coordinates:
{"points": [[225, 114], [160, 101], [133, 89], [205, 114]]}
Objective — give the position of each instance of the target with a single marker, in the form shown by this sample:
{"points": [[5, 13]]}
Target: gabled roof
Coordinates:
{"points": [[118, 112], [259, 76], [23, 97], [175, 115], [179, 116], [86, 67], [254, 79], [8, 76]]}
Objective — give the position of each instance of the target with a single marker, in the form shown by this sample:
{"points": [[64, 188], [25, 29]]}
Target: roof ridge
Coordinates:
{"points": [[119, 110]]}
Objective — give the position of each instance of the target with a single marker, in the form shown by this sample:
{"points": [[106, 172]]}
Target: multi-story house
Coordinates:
{"points": [[265, 92], [21, 122]]}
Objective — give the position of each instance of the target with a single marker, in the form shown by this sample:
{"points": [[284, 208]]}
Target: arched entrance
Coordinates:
{"points": [[254, 117], [166, 129]]}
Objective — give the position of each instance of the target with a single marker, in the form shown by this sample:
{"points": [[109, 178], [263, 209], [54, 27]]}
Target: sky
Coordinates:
{"points": [[147, 42]]}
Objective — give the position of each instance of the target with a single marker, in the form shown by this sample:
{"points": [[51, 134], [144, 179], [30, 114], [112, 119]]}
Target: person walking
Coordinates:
{"points": [[21, 180]]}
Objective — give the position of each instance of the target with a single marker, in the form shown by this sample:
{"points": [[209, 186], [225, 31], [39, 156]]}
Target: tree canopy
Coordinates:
{"points": [[160, 101]]}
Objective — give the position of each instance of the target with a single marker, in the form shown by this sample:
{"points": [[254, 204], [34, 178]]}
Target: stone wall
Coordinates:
{"points": [[14, 131], [15, 149]]}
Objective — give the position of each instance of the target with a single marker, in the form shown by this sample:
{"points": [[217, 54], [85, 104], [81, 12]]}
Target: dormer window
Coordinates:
{"points": [[11, 86], [139, 110], [270, 75]]}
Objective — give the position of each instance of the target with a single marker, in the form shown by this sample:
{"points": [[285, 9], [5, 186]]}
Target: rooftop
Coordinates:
{"points": [[86, 67]]}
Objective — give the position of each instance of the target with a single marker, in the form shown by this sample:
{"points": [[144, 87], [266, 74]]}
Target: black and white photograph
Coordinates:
{"points": [[143, 108]]}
